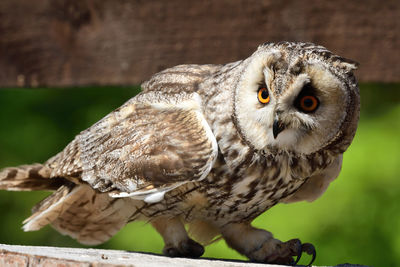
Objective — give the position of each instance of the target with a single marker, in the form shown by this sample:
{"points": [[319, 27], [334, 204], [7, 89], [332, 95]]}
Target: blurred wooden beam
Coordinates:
{"points": [[119, 42]]}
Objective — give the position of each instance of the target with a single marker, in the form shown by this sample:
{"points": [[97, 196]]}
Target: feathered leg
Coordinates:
{"points": [[176, 239], [260, 246]]}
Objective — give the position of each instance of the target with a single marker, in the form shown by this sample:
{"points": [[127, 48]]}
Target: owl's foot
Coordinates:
{"points": [[260, 246], [187, 248], [275, 251], [176, 239], [310, 250]]}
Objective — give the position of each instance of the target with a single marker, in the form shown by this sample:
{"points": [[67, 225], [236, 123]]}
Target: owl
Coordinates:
{"points": [[202, 151]]}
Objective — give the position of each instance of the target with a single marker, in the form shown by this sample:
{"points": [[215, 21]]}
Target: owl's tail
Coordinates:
{"points": [[28, 178], [53, 206], [73, 209], [80, 212]]}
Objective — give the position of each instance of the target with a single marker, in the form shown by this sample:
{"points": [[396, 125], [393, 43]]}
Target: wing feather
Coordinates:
{"points": [[150, 145], [181, 78]]}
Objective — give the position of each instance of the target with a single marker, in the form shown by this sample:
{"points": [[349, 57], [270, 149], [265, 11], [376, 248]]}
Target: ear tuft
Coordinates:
{"points": [[348, 64]]}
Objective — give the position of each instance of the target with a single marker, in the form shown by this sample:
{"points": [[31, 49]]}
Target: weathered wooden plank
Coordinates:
{"points": [[11, 255], [119, 42]]}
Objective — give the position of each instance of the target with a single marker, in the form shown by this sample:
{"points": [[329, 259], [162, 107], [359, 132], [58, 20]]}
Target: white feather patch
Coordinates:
{"points": [[148, 195]]}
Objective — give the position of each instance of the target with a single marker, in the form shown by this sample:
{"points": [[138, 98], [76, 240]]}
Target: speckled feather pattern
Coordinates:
{"points": [[196, 145]]}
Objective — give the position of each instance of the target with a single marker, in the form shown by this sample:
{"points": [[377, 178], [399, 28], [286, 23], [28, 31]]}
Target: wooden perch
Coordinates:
{"points": [[11, 255], [96, 42]]}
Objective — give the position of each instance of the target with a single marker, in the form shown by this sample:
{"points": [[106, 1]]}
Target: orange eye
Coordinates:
{"points": [[308, 103], [263, 95]]}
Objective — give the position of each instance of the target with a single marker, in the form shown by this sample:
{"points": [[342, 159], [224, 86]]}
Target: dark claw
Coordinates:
{"points": [[310, 250], [192, 249], [299, 252], [285, 252], [171, 252], [187, 248]]}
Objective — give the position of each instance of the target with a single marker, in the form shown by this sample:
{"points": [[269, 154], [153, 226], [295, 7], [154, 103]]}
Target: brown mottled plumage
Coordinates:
{"points": [[199, 146]]}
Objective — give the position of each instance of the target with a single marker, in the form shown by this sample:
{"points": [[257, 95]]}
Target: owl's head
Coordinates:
{"points": [[296, 97]]}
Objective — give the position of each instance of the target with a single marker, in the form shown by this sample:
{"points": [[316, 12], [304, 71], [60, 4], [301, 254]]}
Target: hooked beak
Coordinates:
{"points": [[277, 127]]}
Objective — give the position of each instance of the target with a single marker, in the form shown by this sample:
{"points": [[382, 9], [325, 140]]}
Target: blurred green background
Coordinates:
{"points": [[357, 220]]}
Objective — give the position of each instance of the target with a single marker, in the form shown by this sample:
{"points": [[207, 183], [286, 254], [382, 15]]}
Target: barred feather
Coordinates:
{"points": [[53, 206], [28, 178]]}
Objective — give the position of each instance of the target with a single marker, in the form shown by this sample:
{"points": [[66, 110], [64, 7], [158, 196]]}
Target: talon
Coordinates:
{"points": [[192, 249], [294, 246], [299, 253], [171, 252], [187, 248], [310, 250]]}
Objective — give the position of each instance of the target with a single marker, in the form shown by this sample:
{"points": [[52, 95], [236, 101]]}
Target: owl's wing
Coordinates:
{"points": [[317, 184], [149, 146], [181, 78]]}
